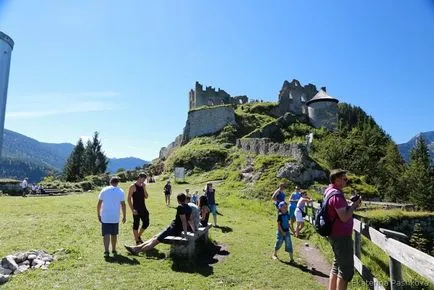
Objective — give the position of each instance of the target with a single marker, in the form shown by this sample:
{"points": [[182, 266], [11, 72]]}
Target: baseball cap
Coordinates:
{"points": [[281, 204]]}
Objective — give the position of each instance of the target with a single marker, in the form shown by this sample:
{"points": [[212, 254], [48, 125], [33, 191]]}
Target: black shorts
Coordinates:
{"points": [[167, 193], [110, 229], [144, 217], [169, 231]]}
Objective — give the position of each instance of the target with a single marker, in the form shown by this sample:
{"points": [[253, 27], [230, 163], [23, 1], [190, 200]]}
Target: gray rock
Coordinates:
{"points": [[26, 262], [21, 269], [47, 259], [4, 278], [44, 267], [302, 173], [37, 262], [31, 257], [5, 271], [9, 262], [20, 257]]}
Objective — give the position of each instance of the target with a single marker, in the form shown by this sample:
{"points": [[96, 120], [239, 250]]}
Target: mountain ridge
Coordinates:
{"points": [[406, 147], [23, 156]]}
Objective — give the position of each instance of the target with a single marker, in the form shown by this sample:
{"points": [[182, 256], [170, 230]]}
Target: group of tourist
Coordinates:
{"points": [[208, 196], [27, 188], [339, 214], [192, 212]]}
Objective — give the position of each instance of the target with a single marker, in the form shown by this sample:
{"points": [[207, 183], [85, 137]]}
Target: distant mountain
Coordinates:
{"points": [[23, 156], [405, 148], [18, 146], [125, 163]]}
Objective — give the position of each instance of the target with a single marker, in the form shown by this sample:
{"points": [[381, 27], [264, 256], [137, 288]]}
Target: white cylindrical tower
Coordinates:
{"points": [[6, 46]]}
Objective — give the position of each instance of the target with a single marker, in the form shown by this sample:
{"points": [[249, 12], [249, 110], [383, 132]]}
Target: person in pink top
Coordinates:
{"points": [[340, 214]]}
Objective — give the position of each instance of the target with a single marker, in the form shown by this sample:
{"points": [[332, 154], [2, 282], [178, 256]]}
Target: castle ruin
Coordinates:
{"points": [[320, 108], [207, 115], [212, 97]]}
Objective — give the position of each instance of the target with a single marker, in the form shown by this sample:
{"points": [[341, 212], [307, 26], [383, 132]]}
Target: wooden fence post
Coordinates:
{"points": [[358, 241], [395, 271]]}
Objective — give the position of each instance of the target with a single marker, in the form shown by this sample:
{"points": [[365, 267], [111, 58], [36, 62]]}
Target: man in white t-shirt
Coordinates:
{"points": [[110, 201], [24, 185]]}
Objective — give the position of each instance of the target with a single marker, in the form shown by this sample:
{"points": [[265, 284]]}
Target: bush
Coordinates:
{"points": [[98, 180], [86, 185]]}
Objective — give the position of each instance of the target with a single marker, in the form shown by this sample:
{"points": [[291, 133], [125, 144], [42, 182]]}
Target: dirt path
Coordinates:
{"points": [[315, 262]]}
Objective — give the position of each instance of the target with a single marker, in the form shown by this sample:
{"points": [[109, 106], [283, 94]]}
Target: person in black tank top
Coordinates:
{"points": [[136, 200]]}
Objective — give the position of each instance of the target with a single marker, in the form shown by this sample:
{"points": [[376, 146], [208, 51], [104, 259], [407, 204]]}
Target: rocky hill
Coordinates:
{"points": [[405, 148]]}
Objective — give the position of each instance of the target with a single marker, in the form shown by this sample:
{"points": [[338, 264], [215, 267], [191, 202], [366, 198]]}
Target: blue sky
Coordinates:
{"points": [[124, 68]]}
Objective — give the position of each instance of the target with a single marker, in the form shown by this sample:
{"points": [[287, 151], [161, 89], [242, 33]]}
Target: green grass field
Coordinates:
{"points": [[70, 222]]}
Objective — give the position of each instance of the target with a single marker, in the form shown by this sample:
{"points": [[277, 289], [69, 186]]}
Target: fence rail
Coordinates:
{"points": [[398, 252]]}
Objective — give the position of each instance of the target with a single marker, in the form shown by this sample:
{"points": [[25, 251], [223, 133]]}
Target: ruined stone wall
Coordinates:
{"points": [[208, 121], [293, 97], [265, 146], [212, 97]]}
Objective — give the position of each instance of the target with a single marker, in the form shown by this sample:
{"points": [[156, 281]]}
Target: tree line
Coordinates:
{"points": [[85, 160], [362, 147]]}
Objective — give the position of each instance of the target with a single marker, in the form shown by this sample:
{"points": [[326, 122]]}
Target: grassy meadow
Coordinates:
{"points": [[247, 236]]}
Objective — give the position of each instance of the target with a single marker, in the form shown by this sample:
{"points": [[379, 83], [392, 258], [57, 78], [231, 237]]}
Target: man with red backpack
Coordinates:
{"points": [[340, 214]]}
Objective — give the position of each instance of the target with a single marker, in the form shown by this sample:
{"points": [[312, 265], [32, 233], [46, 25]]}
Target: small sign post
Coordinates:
{"points": [[179, 174]]}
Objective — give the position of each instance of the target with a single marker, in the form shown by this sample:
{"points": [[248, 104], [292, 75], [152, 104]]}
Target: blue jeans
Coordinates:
{"points": [[280, 239]]}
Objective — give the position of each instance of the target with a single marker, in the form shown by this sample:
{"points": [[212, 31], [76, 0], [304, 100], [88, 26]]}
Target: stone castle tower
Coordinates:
{"points": [[323, 110], [318, 106]]}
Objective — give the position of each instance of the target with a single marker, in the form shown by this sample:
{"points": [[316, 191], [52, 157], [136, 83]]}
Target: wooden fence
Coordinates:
{"points": [[398, 252]]}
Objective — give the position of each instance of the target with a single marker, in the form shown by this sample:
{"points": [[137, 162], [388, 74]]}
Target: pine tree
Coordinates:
{"points": [[73, 170], [95, 159], [419, 176], [392, 170], [419, 239]]}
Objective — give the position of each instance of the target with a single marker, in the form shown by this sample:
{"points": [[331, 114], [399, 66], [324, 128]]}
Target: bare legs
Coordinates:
{"points": [[138, 234], [292, 221], [167, 198], [145, 246], [106, 239], [300, 226], [337, 283], [114, 241]]}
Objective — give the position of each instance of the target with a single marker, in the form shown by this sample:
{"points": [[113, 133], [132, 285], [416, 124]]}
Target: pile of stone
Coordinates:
{"points": [[21, 262]]}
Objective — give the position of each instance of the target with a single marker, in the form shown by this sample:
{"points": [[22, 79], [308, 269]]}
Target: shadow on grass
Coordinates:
{"points": [[121, 260], [155, 254], [304, 268], [224, 229], [207, 255]]}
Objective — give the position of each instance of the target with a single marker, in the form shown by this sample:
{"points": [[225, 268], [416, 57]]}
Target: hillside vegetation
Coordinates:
{"points": [[358, 145]]}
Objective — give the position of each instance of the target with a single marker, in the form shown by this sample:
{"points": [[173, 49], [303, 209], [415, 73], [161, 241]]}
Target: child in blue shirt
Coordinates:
{"points": [[283, 231]]}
